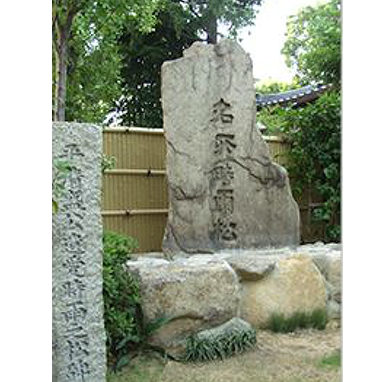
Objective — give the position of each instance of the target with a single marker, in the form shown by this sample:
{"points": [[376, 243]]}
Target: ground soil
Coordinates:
{"points": [[292, 357]]}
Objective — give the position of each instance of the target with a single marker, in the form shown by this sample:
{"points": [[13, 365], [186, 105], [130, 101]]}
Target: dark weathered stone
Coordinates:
{"points": [[233, 326], [78, 325], [195, 294], [251, 267], [224, 190]]}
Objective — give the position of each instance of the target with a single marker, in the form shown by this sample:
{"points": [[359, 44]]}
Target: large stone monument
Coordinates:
{"points": [[224, 190], [78, 325]]}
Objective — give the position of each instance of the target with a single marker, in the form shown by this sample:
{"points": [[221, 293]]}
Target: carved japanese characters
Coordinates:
{"points": [[224, 190], [78, 330]]}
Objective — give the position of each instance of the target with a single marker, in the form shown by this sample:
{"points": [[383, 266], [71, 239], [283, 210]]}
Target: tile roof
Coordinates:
{"points": [[298, 96]]}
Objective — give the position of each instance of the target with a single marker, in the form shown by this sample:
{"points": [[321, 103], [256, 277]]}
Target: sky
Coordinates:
{"points": [[265, 40]]}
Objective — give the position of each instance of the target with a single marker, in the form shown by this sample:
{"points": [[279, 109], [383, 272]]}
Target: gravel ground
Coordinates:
{"points": [[292, 357]]}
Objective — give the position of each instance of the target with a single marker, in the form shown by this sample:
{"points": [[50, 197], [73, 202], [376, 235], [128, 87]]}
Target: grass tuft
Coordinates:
{"points": [[278, 323], [331, 361]]}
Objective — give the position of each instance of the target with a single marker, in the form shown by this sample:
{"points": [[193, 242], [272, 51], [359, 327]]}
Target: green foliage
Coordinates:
{"points": [[219, 347], [234, 14], [313, 48], [127, 332], [178, 25], [272, 117], [93, 60], [94, 81], [61, 171], [318, 319], [331, 360], [313, 45], [315, 135], [143, 58], [278, 323], [270, 86], [108, 162], [121, 294]]}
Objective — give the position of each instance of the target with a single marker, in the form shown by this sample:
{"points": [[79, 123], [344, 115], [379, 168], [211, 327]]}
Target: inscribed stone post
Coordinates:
{"points": [[78, 326], [224, 190]]}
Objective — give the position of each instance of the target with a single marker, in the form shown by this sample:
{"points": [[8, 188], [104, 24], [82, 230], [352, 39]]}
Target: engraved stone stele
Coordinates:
{"points": [[78, 324], [224, 190]]}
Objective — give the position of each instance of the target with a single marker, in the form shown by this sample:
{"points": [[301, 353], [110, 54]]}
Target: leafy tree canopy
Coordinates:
{"points": [[270, 86], [179, 24], [234, 14], [313, 46], [140, 104], [85, 54]]}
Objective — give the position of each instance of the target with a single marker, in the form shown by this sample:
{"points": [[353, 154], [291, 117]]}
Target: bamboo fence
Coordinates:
{"points": [[135, 201]]}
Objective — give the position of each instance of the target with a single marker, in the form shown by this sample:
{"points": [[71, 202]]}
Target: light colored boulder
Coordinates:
{"points": [[197, 293], [328, 259], [295, 285]]}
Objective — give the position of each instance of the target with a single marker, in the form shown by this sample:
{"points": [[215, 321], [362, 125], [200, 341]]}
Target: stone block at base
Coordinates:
{"points": [[196, 294], [202, 292], [295, 285]]}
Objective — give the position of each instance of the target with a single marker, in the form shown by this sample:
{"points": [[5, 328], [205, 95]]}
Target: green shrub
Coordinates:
{"points": [[278, 323], [314, 134], [210, 349], [126, 330], [121, 294]]}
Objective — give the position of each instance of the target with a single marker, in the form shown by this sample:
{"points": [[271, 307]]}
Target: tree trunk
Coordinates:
{"points": [[61, 75], [212, 30]]}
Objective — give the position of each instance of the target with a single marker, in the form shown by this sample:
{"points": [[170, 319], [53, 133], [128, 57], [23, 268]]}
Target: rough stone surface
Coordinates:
{"points": [[78, 325], [330, 265], [235, 325], [259, 270], [295, 285], [197, 293], [333, 310], [251, 267], [224, 190]]}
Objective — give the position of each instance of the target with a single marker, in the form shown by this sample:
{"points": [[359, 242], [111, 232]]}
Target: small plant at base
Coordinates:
{"points": [[126, 329], [139, 343], [210, 349], [318, 319], [120, 291], [332, 360], [278, 323]]}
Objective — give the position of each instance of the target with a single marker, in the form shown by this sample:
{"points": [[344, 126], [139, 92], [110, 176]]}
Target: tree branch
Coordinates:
{"points": [[191, 7]]}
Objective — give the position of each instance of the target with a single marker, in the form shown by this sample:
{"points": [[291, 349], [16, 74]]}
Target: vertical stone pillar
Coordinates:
{"points": [[78, 322]]}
